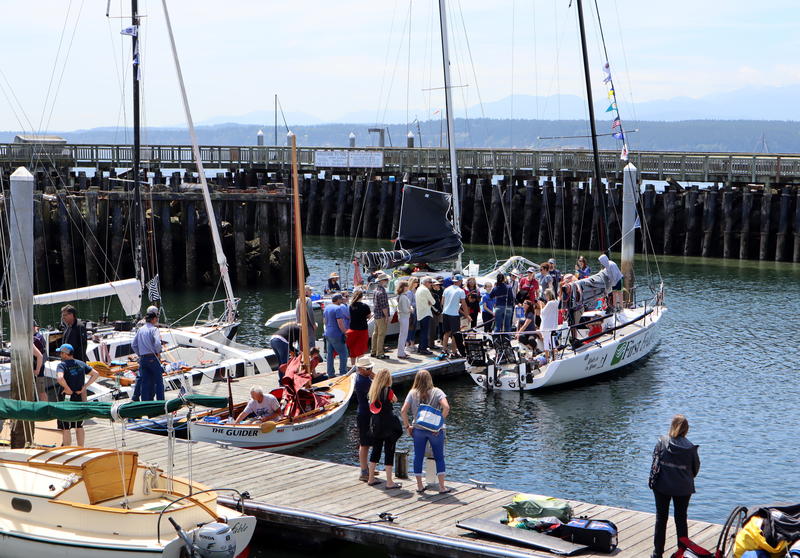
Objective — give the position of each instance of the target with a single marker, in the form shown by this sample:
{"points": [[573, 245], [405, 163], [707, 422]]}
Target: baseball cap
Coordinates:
{"points": [[66, 347], [552, 261], [458, 277]]}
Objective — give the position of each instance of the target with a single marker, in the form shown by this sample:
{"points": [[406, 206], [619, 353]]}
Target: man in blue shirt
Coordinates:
{"points": [[503, 297], [147, 346], [363, 382], [72, 379], [454, 305], [336, 317]]}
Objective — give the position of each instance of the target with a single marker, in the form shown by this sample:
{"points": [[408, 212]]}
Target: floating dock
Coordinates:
{"points": [[321, 500]]}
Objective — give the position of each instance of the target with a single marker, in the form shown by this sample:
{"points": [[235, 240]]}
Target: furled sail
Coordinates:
{"points": [[129, 292], [426, 234], [80, 410]]}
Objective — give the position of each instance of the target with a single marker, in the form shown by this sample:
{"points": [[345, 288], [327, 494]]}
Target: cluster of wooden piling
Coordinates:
{"points": [[83, 230]]}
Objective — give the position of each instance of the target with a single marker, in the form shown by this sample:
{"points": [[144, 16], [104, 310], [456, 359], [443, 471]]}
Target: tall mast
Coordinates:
{"points": [[629, 185], [451, 143], [212, 221], [137, 229], [598, 183], [298, 259]]}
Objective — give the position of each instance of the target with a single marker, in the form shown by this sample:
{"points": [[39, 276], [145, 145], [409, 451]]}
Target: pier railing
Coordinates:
{"points": [[653, 165]]}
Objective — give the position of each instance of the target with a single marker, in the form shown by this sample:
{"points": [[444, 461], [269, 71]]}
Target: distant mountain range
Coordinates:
{"points": [[750, 103], [775, 136]]}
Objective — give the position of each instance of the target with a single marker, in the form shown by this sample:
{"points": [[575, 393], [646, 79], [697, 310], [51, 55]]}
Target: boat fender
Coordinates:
{"points": [[150, 479], [70, 480]]}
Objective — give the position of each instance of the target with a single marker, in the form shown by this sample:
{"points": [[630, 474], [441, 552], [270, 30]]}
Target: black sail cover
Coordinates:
{"points": [[426, 234]]}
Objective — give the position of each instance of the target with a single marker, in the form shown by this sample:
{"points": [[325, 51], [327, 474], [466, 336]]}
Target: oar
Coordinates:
{"points": [[268, 426]]}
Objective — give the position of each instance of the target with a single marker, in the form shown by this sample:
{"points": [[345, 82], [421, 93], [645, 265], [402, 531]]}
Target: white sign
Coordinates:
{"points": [[330, 158], [366, 159]]}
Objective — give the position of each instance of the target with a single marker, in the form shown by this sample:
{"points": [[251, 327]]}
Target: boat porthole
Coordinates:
{"points": [[21, 504]]}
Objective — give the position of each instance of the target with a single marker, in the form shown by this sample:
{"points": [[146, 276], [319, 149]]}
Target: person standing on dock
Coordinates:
{"points": [[503, 298], [363, 383], [436, 312], [487, 308], [147, 346], [425, 302], [71, 376], [312, 322], [285, 339], [380, 311], [675, 465], [336, 318], [74, 331], [357, 336], [426, 403], [454, 305], [388, 431]]}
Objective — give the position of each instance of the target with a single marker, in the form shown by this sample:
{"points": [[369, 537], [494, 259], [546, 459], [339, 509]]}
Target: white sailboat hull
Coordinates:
{"points": [[632, 343]]}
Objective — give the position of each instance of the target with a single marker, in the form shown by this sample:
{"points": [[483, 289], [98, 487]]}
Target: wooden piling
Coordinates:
{"points": [[577, 216], [371, 194], [613, 212], [358, 200], [65, 239], [766, 209], [41, 278], [709, 222], [496, 223], [385, 209], [284, 222], [327, 207], [239, 246], [670, 201], [467, 192], [397, 207], [558, 215], [340, 187], [728, 221], [529, 223], [94, 255], [312, 219], [262, 232], [479, 217], [167, 264], [545, 217], [517, 209], [649, 218], [796, 251], [189, 215], [783, 223], [744, 230]]}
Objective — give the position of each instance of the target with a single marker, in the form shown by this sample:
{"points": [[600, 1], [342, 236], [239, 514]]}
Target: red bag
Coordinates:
{"points": [[688, 549]]}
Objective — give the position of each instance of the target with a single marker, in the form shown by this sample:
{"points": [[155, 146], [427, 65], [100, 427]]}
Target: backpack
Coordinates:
{"points": [[688, 549]]}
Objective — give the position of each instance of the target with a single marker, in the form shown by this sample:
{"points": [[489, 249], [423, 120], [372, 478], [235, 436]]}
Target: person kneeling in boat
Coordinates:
{"points": [[263, 406], [72, 379]]}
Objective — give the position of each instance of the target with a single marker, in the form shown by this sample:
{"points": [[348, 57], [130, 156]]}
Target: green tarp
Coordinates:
{"points": [[78, 410]]}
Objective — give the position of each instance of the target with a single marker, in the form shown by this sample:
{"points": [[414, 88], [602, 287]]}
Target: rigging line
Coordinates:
{"points": [[506, 217], [64, 67], [472, 66], [385, 64], [394, 69], [486, 216], [116, 73], [625, 59], [283, 116], [408, 66], [513, 28], [55, 63]]}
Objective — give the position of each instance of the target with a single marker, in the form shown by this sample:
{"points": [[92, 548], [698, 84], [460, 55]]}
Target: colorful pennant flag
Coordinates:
{"points": [[132, 31], [616, 123], [624, 154], [607, 79], [618, 135], [611, 107], [610, 93]]}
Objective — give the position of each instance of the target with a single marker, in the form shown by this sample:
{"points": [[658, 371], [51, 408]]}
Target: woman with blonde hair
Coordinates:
{"points": [[675, 465], [426, 402], [384, 427], [404, 310]]}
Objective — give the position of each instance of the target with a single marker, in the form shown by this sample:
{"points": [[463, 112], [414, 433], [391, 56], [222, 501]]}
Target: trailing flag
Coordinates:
{"points": [[437, 112], [153, 292], [610, 93], [131, 31], [607, 79], [611, 107], [607, 69], [624, 154], [618, 135], [616, 123]]}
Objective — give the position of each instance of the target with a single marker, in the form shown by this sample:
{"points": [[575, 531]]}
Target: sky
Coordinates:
{"points": [[65, 66]]}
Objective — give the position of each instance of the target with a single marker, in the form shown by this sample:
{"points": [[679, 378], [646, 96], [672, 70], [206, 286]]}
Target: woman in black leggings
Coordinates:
{"points": [[381, 397], [675, 465]]}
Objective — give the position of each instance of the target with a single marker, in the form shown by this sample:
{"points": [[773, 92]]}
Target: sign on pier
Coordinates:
{"points": [[348, 159]]}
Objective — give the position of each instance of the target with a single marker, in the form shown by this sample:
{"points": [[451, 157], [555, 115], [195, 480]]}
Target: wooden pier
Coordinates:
{"points": [[319, 500]]}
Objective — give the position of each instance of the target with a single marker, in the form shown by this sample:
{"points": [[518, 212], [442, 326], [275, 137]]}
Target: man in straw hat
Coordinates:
{"points": [[333, 284], [363, 382], [380, 311]]}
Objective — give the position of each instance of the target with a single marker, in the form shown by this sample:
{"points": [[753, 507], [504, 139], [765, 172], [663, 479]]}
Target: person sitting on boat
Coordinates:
{"points": [[333, 284], [263, 406], [582, 268], [526, 332], [72, 379], [487, 308], [615, 278], [549, 315]]}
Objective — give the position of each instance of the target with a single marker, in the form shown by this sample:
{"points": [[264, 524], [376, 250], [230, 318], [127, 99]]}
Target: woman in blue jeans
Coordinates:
{"points": [[423, 392]]}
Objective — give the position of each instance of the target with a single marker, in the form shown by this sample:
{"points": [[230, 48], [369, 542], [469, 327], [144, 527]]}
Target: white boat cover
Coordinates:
{"points": [[129, 292]]}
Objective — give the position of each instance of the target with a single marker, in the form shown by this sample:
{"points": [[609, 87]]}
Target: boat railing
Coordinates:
{"points": [[208, 309]]}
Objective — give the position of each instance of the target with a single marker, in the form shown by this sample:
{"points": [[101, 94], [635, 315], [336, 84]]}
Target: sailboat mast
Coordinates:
{"points": [[212, 221], [629, 185], [451, 143], [137, 229], [298, 260], [598, 182]]}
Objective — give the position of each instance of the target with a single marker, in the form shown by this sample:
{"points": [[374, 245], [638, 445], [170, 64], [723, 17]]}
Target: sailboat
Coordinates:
{"points": [[605, 339], [309, 410], [78, 502]]}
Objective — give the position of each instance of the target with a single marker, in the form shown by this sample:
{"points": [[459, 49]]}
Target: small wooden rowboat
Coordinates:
{"points": [[283, 434]]}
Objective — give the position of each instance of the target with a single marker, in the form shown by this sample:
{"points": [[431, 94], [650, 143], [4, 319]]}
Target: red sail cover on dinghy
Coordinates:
{"points": [[296, 384]]}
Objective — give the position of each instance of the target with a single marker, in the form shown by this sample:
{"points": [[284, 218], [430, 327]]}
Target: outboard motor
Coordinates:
{"points": [[212, 540]]}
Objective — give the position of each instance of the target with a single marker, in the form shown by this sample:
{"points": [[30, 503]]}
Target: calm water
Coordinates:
{"points": [[727, 360]]}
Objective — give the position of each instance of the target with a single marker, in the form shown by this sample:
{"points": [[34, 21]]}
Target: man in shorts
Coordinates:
{"points": [[263, 406], [72, 379], [454, 305], [363, 382]]}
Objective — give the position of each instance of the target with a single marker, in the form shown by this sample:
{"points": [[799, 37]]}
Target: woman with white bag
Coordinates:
{"points": [[429, 408]]}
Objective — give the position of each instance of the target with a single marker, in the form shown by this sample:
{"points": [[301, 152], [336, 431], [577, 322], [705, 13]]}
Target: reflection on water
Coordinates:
{"points": [[727, 360]]}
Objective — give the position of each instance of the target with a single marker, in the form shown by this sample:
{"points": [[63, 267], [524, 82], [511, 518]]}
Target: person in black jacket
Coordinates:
{"points": [[675, 465], [74, 332]]}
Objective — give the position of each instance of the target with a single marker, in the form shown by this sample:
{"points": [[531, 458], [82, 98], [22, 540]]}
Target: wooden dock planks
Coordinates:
{"points": [[323, 488]]}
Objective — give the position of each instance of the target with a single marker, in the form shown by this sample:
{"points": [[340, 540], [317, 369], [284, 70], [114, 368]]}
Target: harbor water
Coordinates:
{"points": [[727, 360]]}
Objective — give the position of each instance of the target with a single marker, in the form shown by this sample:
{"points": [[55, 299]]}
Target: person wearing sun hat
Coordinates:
{"points": [[333, 284], [363, 382], [71, 376], [380, 311]]}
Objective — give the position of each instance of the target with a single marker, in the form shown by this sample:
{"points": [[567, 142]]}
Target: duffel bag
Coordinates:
{"points": [[750, 537], [597, 534], [535, 505], [689, 549]]}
